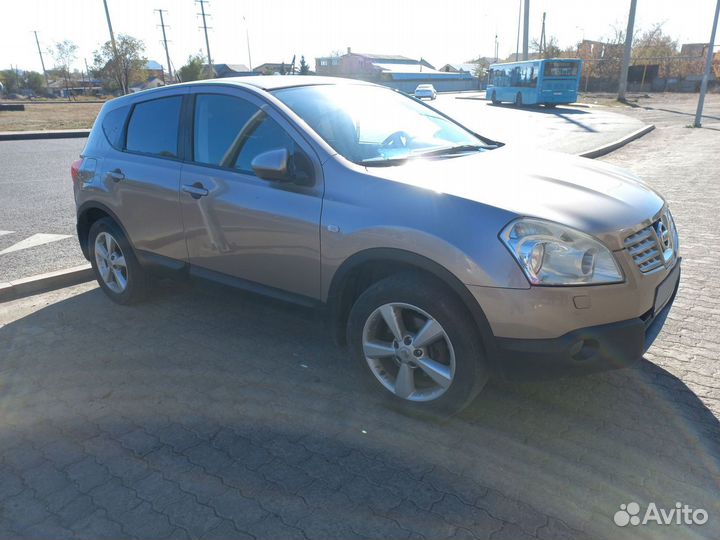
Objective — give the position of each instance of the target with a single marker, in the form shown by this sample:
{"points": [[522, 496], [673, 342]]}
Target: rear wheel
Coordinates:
{"points": [[550, 105], [117, 270], [414, 346]]}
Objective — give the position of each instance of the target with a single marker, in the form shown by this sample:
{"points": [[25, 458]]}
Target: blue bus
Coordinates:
{"points": [[546, 82]]}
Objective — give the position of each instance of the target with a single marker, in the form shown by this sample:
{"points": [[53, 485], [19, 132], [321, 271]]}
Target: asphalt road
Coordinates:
{"points": [[36, 190], [36, 198]]}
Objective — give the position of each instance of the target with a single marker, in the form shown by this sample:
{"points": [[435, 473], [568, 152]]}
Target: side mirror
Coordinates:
{"points": [[272, 165], [279, 166]]}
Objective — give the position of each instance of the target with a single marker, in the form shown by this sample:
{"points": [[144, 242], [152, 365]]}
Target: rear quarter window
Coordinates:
{"points": [[153, 127], [113, 124]]}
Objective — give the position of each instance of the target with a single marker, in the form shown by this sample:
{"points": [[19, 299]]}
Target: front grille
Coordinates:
{"points": [[644, 249]]}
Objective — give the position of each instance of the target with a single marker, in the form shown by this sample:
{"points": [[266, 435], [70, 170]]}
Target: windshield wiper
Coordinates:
{"points": [[449, 150]]}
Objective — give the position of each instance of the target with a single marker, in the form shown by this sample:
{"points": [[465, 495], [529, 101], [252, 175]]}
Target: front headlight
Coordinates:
{"points": [[552, 254]]}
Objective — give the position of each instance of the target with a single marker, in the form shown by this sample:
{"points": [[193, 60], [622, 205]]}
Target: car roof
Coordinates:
{"points": [[274, 82], [259, 82]]}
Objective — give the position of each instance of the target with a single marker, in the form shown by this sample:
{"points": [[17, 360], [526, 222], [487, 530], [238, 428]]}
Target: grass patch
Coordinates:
{"points": [[49, 116]]}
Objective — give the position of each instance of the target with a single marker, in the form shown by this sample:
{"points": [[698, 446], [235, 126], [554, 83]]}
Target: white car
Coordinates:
{"points": [[425, 91]]}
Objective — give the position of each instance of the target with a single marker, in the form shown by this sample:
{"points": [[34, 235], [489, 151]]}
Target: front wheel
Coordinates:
{"points": [[415, 347], [494, 98], [518, 100]]}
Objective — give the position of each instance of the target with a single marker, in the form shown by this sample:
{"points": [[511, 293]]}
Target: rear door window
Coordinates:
{"points": [[153, 127]]}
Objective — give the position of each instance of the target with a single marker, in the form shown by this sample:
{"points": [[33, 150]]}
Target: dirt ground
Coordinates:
{"points": [[47, 116]]}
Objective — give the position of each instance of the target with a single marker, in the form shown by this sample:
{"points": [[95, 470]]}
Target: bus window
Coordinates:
{"points": [[561, 69]]}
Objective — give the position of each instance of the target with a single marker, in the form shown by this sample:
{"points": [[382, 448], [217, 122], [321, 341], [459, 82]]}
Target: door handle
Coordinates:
{"points": [[195, 190], [116, 175]]}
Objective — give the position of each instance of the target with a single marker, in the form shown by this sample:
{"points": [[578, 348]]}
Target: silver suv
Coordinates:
{"points": [[439, 256]]}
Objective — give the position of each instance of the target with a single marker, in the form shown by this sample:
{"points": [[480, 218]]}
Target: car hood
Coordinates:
{"points": [[592, 196]]}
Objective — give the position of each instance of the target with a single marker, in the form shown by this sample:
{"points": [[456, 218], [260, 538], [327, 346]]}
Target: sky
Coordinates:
{"points": [[445, 31]]}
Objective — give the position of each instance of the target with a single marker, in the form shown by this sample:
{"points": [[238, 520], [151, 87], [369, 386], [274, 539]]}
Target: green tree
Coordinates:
{"points": [[304, 68], [193, 69], [127, 70], [10, 81], [35, 82], [64, 54]]}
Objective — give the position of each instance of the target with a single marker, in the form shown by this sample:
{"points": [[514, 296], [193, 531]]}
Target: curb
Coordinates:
{"points": [[55, 134], [20, 288], [610, 147]]}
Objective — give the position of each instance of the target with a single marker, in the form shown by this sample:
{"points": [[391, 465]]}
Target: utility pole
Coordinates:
{"points": [[87, 72], [247, 36], [626, 53], [167, 54], [517, 40], [526, 30], [118, 67], [543, 45], [42, 62], [708, 65], [207, 41]]}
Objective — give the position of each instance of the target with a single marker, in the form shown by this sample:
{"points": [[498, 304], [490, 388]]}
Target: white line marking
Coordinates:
{"points": [[35, 240], [3, 233]]}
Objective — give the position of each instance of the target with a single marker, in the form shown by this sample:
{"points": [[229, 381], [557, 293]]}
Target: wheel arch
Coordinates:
{"points": [[366, 267], [89, 213]]}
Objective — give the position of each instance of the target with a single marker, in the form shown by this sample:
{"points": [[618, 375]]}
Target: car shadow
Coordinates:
{"points": [[206, 383]]}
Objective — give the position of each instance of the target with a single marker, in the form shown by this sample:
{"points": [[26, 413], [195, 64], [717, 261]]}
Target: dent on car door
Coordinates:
{"points": [[143, 178], [236, 223]]}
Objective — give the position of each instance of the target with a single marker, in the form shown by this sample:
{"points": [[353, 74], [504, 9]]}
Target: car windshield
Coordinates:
{"points": [[371, 125]]}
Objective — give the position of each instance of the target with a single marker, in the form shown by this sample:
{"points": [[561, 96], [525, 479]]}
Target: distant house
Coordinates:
{"points": [[230, 70], [152, 69], [467, 67], [153, 82], [364, 65], [396, 71], [75, 87], [273, 68]]}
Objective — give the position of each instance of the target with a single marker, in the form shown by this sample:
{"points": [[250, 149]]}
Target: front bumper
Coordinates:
{"points": [[585, 350]]}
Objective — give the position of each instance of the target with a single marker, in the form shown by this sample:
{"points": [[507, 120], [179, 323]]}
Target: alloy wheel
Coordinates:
{"points": [[111, 262], [408, 351]]}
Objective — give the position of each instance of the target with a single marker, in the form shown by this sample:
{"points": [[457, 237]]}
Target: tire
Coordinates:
{"points": [[109, 263], [518, 100], [550, 105], [454, 357], [494, 99]]}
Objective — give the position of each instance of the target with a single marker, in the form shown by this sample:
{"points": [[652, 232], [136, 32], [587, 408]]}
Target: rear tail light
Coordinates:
{"points": [[75, 169]]}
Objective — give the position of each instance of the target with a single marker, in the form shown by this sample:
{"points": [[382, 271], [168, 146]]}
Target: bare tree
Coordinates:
{"points": [[64, 53], [131, 59]]}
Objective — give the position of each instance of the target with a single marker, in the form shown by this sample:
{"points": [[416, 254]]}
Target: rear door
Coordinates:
{"points": [[236, 223], [142, 175]]}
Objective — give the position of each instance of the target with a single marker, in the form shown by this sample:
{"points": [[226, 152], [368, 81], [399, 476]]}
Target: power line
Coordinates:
{"points": [[167, 53], [205, 28], [42, 62]]}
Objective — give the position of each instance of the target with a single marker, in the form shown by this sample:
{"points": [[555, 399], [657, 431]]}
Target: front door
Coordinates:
{"points": [[236, 223]]}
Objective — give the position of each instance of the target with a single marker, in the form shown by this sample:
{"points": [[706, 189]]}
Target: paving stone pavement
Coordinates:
{"points": [[210, 413]]}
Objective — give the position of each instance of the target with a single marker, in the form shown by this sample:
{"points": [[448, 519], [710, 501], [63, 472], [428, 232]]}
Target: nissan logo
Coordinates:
{"points": [[663, 233]]}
